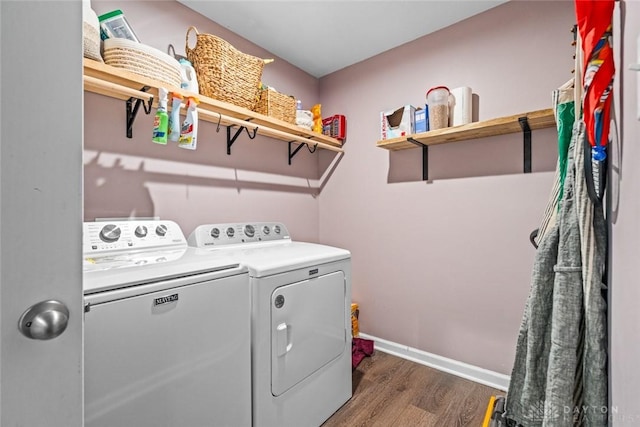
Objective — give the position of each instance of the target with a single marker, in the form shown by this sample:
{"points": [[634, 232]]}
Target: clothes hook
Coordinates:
{"points": [[147, 107], [255, 132], [315, 147]]}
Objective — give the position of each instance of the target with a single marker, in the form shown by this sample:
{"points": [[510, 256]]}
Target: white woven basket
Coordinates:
{"points": [[143, 60], [90, 34]]}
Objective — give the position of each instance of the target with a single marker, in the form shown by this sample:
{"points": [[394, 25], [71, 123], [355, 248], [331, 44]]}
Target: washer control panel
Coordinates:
{"points": [[237, 233], [127, 235]]}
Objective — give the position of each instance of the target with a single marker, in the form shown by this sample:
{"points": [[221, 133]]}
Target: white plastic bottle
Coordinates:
{"points": [[188, 77]]}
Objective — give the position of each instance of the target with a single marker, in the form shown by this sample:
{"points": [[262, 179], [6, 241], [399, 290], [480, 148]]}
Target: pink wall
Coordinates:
{"points": [[625, 237], [445, 266], [135, 177]]}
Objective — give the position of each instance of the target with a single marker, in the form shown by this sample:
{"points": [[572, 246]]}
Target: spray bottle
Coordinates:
{"points": [[174, 118], [189, 130], [161, 121]]}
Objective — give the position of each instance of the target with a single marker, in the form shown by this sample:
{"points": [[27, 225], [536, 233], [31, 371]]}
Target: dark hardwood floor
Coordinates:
{"points": [[390, 391]]}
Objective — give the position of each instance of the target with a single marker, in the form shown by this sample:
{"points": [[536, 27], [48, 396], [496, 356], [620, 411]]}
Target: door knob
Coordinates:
{"points": [[44, 320]]}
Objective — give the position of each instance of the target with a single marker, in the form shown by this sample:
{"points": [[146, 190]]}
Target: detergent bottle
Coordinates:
{"points": [[188, 76]]}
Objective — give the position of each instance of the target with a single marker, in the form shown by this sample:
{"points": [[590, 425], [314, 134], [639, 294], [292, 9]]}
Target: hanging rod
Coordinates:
{"points": [[108, 88], [263, 130]]}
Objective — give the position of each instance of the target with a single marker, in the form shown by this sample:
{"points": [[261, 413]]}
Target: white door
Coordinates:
{"points": [[41, 126]]}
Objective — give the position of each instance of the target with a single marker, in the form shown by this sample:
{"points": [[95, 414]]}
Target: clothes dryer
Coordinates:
{"points": [[301, 320], [166, 330]]}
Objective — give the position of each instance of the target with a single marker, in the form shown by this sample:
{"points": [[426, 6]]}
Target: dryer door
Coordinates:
{"points": [[307, 328]]}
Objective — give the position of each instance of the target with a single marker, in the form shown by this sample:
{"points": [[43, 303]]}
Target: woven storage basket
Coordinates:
{"points": [[143, 60], [90, 34], [277, 105], [224, 73]]}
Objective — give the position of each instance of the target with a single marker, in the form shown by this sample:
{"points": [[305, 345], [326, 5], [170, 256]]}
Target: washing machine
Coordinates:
{"points": [[166, 330], [301, 320]]}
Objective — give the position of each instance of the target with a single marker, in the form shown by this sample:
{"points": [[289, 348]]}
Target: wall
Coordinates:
{"points": [[445, 266], [135, 177], [625, 237]]}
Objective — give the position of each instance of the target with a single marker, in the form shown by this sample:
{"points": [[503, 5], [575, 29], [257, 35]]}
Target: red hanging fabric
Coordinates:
{"points": [[594, 25]]}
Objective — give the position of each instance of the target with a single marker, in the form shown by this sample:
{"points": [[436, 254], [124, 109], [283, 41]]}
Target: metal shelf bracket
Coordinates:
{"points": [[526, 131], [292, 153], [425, 157], [132, 110], [232, 139]]}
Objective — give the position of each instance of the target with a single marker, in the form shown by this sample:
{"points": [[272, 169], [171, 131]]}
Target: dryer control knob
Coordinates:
{"points": [[161, 230], [110, 233], [215, 232], [266, 230], [249, 230], [230, 232], [141, 231]]}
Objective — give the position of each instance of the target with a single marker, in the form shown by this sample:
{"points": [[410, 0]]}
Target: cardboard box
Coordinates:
{"points": [[395, 123], [422, 120]]}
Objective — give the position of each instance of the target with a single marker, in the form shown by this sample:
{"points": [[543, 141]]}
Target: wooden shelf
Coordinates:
{"points": [[117, 83], [536, 119]]}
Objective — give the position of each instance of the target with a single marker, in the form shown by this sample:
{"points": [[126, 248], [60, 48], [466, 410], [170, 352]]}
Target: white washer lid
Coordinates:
{"points": [[109, 272]]}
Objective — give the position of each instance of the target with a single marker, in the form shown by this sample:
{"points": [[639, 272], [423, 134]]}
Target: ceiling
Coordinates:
{"points": [[323, 36]]}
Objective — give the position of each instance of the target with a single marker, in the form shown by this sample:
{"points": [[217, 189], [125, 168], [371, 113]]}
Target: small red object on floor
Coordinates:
{"points": [[360, 348]]}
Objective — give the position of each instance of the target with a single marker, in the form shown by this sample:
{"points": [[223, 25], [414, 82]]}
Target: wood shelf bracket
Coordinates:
{"points": [[132, 109], [292, 153], [425, 157], [526, 132]]}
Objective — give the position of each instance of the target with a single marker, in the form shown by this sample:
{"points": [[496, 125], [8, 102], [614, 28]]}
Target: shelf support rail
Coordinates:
{"points": [[526, 131], [425, 157], [266, 131], [132, 110]]}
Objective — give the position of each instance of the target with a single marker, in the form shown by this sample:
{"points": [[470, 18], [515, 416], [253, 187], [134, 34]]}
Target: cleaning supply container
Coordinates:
{"points": [[438, 102], [188, 76], [115, 25]]}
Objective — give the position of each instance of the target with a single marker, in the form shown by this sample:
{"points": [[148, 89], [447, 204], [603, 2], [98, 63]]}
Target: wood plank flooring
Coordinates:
{"points": [[391, 391]]}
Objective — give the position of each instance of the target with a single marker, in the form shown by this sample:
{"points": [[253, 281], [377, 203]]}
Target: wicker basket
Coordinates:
{"points": [[90, 34], [224, 73], [143, 60], [277, 105]]}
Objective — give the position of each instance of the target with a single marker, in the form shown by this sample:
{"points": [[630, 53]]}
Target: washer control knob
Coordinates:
{"points": [[141, 231], [276, 229], [266, 230], [110, 233], [161, 230], [230, 232], [215, 232], [249, 230]]}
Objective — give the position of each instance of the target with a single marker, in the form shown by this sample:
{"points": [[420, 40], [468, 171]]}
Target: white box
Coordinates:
{"points": [[395, 123]]}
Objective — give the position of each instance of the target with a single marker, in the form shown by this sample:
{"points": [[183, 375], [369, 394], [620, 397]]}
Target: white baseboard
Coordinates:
{"points": [[461, 369]]}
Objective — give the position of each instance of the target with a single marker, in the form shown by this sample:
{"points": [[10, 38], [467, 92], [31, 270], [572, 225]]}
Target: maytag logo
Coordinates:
{"points": [[312, 272], [165, 300]]}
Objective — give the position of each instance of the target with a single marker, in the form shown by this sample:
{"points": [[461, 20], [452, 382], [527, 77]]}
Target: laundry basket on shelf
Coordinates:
{"points": [[142, 60], [277, 105], [224, 73]]}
